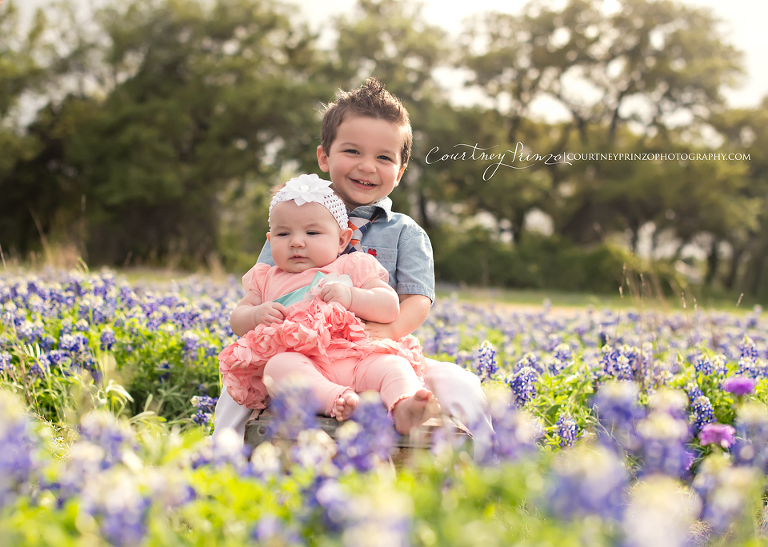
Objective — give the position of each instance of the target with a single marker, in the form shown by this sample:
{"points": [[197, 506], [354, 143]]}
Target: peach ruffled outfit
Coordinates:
{"points": [[325, 333]]}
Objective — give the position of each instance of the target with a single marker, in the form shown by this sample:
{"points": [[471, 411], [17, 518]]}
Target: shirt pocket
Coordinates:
{"points": [[387, 258]]}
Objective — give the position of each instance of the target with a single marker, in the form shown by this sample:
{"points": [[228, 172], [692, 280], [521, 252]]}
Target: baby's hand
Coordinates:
{"points": [[336, 292], [268, 313]]}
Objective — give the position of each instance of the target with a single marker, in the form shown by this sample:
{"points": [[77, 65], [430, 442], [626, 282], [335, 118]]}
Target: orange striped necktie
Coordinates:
{"points": [[359, 226]]}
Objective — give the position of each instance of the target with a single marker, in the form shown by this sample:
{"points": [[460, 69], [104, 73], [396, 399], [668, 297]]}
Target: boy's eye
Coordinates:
{"points": [[385, 158], [351, 150]]}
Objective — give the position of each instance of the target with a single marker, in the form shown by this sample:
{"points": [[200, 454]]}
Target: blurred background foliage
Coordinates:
{"points": [[148, 132]]}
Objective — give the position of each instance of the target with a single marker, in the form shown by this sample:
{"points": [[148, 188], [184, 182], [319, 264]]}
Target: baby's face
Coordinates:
{"points": [[303, 236]]}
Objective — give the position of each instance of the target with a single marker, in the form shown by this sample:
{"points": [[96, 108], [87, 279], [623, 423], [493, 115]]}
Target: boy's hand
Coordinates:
{"points": [[268, 313], [379, 330], [336, 292]]}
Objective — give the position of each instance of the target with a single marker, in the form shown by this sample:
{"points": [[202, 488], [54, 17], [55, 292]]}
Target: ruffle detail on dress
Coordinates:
{"points": [[320, 330]]}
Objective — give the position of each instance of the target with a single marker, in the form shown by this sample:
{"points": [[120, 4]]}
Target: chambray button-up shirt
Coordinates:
{"points": [[399, 244]]}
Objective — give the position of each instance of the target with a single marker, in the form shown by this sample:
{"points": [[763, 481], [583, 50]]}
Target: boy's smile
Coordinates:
{"points": [[364, 160]]}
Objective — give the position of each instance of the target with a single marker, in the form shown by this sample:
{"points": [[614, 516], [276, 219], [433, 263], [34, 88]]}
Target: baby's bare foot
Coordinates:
{"points": [[414, 411], [345, 405]]}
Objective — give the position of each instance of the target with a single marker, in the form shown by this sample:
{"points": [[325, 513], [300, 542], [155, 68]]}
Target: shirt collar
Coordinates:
{"points": [[367, 211]]}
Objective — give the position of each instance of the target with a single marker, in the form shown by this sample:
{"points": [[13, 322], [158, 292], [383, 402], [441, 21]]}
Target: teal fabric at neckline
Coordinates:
{"points": [[299, 294]]}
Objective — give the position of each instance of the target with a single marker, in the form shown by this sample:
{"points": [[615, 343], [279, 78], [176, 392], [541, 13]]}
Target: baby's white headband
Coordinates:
{"points": [[312, 189]]}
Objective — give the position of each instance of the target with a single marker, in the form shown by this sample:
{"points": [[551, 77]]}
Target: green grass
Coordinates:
{"points": [[581, 300]]}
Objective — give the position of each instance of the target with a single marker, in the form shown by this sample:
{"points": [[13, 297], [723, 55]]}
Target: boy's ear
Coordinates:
{"points": [[322, 159], [345, 236], [268, 238], [400, 174]]}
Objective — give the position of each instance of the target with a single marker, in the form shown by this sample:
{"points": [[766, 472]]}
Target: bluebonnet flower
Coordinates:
{"points": [[516, 433], [73, 343], [164, 369], [587, 480], [294, 408], [618, 410], [566, 430], [485, 361], [334, 503], [659, 513], [271, 530], [749, 349], [380, 518], [5, 362], [30, 332], [523, 385], [751, 447], [367, 439], [191, 342], [265, 461], [314, 451], [750, 368], [104, 430], [563, 357], [725, 491], [39, 367], [17, 460], [663, 438], [670, 401], [702, 413], [703, 365], [529, 360], [107, 338], [615, 364], [220, 450], [205, 406], [114, 499]]}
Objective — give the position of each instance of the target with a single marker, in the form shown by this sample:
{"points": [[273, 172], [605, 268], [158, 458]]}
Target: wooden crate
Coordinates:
{"points": [[257, 428]]}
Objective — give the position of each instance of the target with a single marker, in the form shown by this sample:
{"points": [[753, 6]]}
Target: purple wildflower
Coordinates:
{"points": [[618, 410], [567, 430], [739, 385], [523, 385], [368, 438], [485, 361], [720, 434]]}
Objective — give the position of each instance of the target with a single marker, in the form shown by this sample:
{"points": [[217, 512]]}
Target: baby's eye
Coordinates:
{"points": [[313, 233]]}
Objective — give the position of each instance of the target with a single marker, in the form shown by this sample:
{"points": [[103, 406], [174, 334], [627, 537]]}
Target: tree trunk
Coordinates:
{"points": [[713, 260], [730, 281]]}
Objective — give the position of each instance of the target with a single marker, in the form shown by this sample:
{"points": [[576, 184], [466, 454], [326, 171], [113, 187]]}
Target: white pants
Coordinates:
{"points": [[457, 390]]}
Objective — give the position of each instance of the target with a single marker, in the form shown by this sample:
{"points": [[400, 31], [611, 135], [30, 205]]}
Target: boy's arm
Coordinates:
{"points": [[414, 309], [373, 301]]}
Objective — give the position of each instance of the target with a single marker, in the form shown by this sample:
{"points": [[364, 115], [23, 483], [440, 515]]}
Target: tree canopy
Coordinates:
{"points": [[151, 130]]}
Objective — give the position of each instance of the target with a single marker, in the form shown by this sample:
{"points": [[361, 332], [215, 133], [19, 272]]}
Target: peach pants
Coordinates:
{"points": [[390, 375]]}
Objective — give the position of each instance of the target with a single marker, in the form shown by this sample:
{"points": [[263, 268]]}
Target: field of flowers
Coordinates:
{"points": [[631, 428]]}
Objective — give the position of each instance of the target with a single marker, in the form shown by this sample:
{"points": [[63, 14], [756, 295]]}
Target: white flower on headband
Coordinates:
{"points": [[312, 189], [306, 189]]}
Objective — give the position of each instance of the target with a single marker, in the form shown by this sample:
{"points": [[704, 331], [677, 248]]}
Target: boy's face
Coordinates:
{"points": [[304, 236], [364, 160]]}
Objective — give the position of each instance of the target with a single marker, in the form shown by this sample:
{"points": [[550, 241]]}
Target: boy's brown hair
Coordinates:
{"points": [[371, 100]]}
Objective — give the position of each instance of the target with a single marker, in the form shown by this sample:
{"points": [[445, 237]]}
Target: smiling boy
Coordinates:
{"points": [[366, 140]]}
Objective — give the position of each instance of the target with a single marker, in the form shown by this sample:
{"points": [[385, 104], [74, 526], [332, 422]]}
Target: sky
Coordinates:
{"points": [[744, 24]]}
